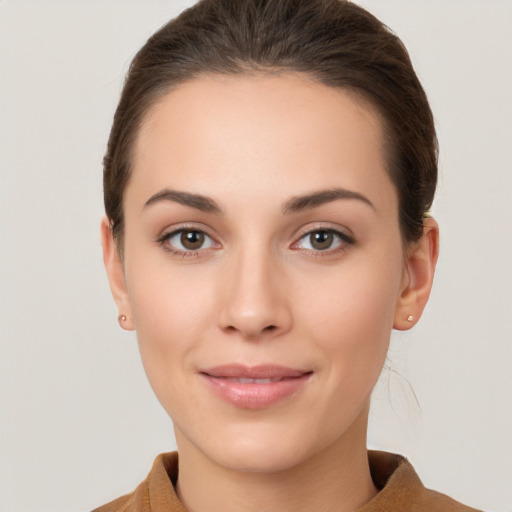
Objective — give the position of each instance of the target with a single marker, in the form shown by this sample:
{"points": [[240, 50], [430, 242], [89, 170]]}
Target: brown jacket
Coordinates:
{"points": [[401, 489]]}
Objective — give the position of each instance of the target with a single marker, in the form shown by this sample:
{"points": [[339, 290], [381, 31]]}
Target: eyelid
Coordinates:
{"points": [[324, 226], [185, 226], [344, 234], [170, 232]]}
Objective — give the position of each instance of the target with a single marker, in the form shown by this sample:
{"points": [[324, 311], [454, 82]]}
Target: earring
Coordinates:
{"points": [[122, 318], [410, 318]]}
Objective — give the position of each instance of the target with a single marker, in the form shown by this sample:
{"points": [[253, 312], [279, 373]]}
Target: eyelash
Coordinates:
{"points": [[343, 241], [164, 239]]}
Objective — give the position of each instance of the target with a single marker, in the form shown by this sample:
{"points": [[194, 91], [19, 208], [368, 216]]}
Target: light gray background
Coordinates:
{"points": [[79, 424]]}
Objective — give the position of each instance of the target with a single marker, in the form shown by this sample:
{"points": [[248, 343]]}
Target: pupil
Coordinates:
{"points": [[321, 240], [192, 239]]}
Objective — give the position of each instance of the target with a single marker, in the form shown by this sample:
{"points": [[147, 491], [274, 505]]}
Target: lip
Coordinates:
{"points": [[254, 387]]}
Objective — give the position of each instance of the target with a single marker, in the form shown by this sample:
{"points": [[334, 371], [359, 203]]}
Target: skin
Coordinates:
{"points": [[258, 290]]}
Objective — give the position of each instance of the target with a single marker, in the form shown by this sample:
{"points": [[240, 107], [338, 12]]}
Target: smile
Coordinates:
{"points": [[254, 381], [254, 387]]}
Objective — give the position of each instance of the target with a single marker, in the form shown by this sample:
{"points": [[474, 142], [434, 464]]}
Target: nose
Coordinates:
{"points": [[254, 302]]}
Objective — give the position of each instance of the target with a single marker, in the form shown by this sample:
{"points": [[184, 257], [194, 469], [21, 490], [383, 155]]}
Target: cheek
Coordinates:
{"points": [[350, 314], [172, 309]]}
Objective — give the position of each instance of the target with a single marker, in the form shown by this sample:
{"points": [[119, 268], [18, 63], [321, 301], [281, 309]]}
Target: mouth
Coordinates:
{"points": [[243, 380], [255, 387]]}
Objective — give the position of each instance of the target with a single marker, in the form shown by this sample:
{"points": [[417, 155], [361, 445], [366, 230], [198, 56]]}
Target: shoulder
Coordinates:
{"points": [[122, 504], [155, 494], [402, 490], [137, 501]]}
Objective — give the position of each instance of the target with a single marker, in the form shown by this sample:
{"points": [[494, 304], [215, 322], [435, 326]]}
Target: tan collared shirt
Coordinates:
{"points": [[400, 488]]}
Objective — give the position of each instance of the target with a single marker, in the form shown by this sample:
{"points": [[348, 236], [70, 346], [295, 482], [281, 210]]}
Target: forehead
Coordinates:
{"points": [[255, 130]]}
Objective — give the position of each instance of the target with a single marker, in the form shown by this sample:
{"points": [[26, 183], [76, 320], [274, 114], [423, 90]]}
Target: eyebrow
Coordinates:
{"points": [[305, 202], [293, 205], [202, 203]]}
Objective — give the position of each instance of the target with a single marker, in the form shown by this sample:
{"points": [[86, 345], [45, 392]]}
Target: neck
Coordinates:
{"points": [[336, 479]]}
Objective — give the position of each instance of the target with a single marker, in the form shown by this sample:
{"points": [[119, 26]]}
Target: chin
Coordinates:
{"points": [[259, 447], [254, 457]]}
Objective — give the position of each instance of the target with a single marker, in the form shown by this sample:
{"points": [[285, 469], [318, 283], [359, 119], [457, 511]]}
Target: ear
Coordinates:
{"points": [[418, 276], [115, 272]]}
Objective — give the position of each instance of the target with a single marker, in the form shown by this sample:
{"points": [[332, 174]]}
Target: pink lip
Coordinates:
{"points": [[282, 382]]}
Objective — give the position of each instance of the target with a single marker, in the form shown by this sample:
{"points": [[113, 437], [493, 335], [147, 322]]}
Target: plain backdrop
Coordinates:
{"points": [[79, 424]]}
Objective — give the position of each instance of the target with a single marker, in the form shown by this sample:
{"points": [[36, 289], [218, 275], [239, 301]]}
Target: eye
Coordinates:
{"points": [[187, 240], [323, 240]]}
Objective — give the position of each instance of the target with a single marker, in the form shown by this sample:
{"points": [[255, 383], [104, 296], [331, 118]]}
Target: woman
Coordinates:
{"points": [[267, 185]]}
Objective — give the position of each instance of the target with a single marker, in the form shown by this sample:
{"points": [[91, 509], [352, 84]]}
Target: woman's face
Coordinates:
{"points": [[263, 266]]}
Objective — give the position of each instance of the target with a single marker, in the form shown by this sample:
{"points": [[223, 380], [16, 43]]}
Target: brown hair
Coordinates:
{"points": [[334, 41]]}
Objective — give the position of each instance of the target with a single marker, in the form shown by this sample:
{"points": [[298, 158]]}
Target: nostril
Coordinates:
{"points": [[270, 328]]}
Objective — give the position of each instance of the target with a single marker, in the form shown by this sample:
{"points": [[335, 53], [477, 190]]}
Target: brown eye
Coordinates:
{"points": [[326, 240], [185, 241], [192, 240], [321, 240]]}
